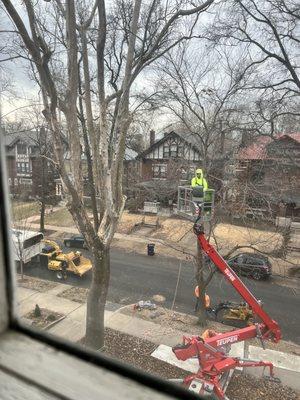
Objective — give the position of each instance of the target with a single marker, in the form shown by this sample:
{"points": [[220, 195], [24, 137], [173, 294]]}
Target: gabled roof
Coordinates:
{"points": [[294, 136], [258, 149], [189, 138], [31, 138], [28, 137], [10, 140], [130, 154]]}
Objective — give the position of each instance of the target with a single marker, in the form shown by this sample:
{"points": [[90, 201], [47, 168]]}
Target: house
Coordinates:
{"points": [[130, 173], [131, 170], [27, 170], [174, 157], [268, 175], [167, 162]]}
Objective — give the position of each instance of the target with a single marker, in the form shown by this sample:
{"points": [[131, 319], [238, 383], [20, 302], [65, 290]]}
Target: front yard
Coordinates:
{"points": [[22, 210]]}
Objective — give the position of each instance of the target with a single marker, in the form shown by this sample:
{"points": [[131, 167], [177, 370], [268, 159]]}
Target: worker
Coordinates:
{"points": [[199, 179], [206, 299]]}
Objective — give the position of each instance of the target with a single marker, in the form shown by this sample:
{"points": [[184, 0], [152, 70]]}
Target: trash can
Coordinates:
{"points": [[150, 249]]}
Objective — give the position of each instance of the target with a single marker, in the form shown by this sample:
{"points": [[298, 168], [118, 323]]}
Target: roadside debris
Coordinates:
{"points": [[155, 314], [144, 305], [159, 298]]}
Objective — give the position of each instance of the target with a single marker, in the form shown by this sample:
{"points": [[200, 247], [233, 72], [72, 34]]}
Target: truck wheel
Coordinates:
{"points": [[257, 275], [59, 275]]}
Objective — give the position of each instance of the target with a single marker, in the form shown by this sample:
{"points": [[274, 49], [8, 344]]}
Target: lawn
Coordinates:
{"points": [[61, 217], [23, 210]]}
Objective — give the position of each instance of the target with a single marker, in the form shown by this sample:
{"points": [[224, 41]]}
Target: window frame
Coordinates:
{"points": [[9, 321], [160, 174], [24, 146], [173, 150], [166, 150]]}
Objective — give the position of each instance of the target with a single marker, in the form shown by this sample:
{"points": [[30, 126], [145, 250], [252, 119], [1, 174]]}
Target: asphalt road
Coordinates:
{"points": [[137, 277]]}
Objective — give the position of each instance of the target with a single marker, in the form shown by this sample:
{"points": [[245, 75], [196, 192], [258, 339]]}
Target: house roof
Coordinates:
{"points": [[130, 154], [31, 138], [11, 139], [189, 138], [294, 136], [258, 149]]}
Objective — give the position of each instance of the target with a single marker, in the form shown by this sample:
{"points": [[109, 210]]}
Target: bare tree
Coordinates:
{"points": [[200, 92], [115, 44], [267, 33]]}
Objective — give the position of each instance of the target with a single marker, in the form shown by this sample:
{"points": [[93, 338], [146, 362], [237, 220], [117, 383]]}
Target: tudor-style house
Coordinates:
{"points": [[26, 169], [167, 163], [174, 157]]}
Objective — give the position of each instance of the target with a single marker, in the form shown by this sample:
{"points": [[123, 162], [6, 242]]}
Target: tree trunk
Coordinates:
{"points": [[42, 216], [22, 268], [43, 185], [201, 311], [97, 298]]}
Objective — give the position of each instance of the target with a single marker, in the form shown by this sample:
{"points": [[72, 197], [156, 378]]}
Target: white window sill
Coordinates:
{"points": [[31, 370]]}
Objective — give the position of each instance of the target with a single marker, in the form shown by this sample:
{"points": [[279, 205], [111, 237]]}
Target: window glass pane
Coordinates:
{"points": [[21, 148], [80, 163], [166, 151]]}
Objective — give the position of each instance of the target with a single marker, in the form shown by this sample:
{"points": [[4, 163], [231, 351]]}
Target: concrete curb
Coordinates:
{"points": [[286, 366]]}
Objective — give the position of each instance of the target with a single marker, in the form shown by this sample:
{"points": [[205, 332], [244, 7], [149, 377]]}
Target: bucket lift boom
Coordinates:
{"points": [[212, 352]]}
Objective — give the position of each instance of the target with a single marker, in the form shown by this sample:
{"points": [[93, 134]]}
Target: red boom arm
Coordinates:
{"points": [[272, 327], [212, 352]]}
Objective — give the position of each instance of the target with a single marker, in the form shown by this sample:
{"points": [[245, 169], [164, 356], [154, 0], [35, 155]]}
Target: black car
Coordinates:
{"points": [[255, 265], [75, 241]]}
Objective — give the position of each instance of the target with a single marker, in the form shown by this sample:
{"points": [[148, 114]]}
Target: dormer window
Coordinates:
{"points": [[21, 148]]}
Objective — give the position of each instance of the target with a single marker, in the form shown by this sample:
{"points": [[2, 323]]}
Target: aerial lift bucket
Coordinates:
{"points": [[190, 199]]}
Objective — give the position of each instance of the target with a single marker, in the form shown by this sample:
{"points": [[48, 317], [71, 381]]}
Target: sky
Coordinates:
{"points": [[25, 90], [22, 89]]}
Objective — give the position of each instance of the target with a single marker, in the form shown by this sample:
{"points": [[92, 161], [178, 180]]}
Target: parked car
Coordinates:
{"points": [[75, 241], [254, 265]]}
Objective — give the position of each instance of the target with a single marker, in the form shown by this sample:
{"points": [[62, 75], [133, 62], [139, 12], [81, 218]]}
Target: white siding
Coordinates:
{"points": [[189, 153], [160, 152]]}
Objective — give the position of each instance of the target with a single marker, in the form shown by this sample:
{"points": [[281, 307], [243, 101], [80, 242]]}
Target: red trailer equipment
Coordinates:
{"points": [[212, 351]]}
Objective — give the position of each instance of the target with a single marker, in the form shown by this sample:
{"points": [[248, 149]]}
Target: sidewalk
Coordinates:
{"points": [[72, 328]]}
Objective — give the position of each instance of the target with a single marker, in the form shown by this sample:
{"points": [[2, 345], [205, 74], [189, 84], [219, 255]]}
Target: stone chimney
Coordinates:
{"points": [[152, 137]]}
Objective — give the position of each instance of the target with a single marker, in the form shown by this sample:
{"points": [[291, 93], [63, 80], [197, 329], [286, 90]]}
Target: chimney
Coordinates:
{"points": [[245, 139], [152, 137]]}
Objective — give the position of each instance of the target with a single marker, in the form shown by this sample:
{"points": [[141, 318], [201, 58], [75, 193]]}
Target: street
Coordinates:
{"points": [[138, 277]]}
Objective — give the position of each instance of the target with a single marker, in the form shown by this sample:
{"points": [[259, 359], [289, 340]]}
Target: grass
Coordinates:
{"points": [[61, 217], [23, 210]]}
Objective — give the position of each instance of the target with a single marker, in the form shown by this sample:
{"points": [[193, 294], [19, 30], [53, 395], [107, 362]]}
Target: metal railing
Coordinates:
{"points": [[188, 202]]}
